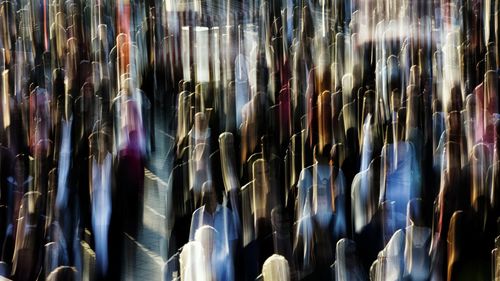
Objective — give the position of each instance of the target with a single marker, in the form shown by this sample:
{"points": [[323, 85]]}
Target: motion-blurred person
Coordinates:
{"points": [[100, 193], [213, 214]]}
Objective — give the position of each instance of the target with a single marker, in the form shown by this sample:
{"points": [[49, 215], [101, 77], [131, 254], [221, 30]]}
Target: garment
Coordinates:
{"points": [[222, 221], [101, 208], [319, 178], [303, 241], [64, 165], [400, 178], [241, 87], [364, 197]]}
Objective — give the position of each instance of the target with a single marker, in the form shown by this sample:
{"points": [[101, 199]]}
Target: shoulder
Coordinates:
{"points": [[198, 212]]}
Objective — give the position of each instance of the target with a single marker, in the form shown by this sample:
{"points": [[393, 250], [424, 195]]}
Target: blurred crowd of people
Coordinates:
{"points": [[310, 139]]}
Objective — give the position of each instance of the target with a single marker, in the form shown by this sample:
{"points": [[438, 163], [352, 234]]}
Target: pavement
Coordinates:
{"points": [[143, 259]]}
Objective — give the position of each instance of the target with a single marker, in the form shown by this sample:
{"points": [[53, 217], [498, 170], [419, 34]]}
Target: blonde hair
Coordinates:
{"points": [[276, 268], [193, 262]]}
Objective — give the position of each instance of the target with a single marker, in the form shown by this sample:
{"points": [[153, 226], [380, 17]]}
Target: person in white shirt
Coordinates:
{"points": [[213, 214]]}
